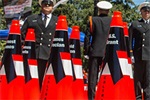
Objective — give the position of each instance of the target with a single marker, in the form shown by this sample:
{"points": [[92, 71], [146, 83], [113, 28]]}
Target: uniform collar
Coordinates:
{"points": [[103, 15], [49, 15], [146, 20]]}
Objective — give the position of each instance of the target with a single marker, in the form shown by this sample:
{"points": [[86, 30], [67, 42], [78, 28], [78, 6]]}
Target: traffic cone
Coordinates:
{"points": [[50, 88], [30, 67], [13, 63], [129, 68], [78, 84], [3, 84], [105, 86], [131, 83], [61, 61], [116, 60], [126, 34]]}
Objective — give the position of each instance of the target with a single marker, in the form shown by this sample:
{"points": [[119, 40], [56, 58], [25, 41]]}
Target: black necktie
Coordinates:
{"points": [[146, 21], [45, 19]]}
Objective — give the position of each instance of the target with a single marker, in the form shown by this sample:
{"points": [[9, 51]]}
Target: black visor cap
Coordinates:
{"points": [[47, 2], [146, 8]]}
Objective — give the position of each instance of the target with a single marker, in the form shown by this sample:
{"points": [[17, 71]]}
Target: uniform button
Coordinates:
{"points": [[143, 45], [49, 39], [40, 43], [41, 38], [42, 33], [143, 39], [143, 33], [50, 33], [49, 45]]}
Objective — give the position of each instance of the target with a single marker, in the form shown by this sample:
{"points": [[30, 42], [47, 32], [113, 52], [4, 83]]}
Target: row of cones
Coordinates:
{"points": [[64, 77], [19, 75]]}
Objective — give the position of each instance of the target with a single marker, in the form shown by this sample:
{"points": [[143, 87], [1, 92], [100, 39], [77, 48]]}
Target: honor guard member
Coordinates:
{"points": [[139, 42], [44, 25], [97, 28]]}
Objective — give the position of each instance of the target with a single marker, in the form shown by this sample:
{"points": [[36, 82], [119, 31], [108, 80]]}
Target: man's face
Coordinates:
{"points": [[145, 13], [47, 8]]}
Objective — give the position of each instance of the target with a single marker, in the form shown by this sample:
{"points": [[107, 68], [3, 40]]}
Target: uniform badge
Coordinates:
{"points": [[34, 20], [139, 25]]}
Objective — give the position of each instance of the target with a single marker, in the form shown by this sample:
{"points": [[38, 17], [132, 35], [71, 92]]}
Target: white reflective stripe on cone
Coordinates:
{"points": [[50, 70], [19, 68], [78, 71], [67, 67], [33, 71], [2, 71], [124, 65], [106, 70]]}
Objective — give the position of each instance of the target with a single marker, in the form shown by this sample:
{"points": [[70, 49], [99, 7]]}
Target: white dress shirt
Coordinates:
{"points": [[48, 18]]}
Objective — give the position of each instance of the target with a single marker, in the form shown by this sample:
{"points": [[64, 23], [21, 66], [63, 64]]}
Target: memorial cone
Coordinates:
{"points": [[30, 67]]}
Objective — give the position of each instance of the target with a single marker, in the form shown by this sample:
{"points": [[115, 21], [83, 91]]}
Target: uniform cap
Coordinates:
{"points": [[104, 5], [145, 6], [45, 1]]}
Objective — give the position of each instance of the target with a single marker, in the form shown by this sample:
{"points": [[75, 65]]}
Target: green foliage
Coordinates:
{"points": [[77, 12], [35, 7], [2, 47], [128, 13], [2, 19]]}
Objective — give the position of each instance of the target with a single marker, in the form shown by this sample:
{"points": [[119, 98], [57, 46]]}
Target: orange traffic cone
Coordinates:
{"points": [[129, 68], [116, 60], [13, 63], [3, 84], [61, 62], [78, 84], [105, 86], [30, 67], [49, 85]]}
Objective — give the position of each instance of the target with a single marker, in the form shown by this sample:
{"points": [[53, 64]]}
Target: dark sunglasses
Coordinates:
{"points": [[47, 4]]}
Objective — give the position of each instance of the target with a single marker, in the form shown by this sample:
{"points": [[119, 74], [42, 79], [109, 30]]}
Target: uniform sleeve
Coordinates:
{"points": [[131, 39], [87, 39], [24, 30]]}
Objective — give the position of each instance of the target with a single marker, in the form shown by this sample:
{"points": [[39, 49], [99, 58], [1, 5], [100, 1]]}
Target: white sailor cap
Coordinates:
{"points": [[104, 5], [45, 1], [145, 6]]}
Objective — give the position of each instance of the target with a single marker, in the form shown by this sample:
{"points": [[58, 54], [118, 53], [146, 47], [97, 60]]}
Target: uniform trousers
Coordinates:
{"points": [[93, 66], [41, 70], [142, 79]]}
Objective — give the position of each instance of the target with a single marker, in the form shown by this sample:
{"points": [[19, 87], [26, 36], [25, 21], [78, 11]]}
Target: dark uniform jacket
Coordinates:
{"points": [[139, 40], [99, 31], [44, 36]]}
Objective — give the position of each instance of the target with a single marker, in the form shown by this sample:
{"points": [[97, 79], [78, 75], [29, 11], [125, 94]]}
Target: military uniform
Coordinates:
{"points": [[44, 38], [139, 42], [98, 31]]}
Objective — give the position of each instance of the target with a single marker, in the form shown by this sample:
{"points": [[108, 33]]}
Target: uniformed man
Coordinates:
{"points": [[98, 29], [44, 25], [139, 41]]}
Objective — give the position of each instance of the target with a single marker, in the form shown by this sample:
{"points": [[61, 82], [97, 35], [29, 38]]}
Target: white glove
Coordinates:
{"points": [[86, 56], [132, 59]]}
